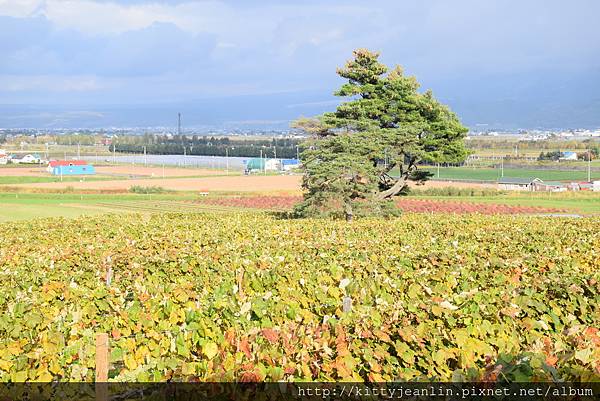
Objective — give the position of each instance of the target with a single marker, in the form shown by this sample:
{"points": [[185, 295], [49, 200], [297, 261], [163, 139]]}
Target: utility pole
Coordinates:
{"points": [[589, 165], [502, 166], [227, 160], [78, 151], [145, 157], [178, 123]]}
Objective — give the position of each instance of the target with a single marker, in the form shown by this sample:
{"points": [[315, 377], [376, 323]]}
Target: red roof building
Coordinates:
{"points": [[56, 163]]}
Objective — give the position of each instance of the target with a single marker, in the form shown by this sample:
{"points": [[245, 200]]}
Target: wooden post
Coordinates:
{"points": [[240, 282], [101, 367], [347, 305]]}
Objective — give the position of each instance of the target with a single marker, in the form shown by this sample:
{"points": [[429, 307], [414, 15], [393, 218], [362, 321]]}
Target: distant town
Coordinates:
{"points": [[108, 132]]}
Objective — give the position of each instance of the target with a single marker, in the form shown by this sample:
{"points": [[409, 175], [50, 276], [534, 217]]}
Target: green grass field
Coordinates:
{"points": [[490, 174], [11, 180], [25, 206]]}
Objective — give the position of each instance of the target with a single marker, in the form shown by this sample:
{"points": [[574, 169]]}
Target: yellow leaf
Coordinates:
{"points": [[5, 365], [130, 362], [43, 375], [188, 369], [55, 367], [210, 350], [19, 377]]}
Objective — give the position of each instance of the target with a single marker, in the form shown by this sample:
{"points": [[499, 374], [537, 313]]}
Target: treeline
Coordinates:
{"points": [[592, 153], [286, 148], [494, 143], [71, 139]]}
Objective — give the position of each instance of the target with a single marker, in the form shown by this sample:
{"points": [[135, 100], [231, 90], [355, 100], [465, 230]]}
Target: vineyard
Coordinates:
{"points": [[244, 296]]}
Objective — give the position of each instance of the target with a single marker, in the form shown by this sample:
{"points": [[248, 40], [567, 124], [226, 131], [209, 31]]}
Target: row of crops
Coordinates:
{"points": [[215, 297]]}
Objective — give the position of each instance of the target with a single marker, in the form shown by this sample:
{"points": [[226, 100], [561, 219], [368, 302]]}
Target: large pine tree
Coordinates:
{"points": [[363, 154]]}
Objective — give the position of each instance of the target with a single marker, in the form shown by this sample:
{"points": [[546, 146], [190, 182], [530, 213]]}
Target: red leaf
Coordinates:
{"points": [[245, 348], [270, 334]]}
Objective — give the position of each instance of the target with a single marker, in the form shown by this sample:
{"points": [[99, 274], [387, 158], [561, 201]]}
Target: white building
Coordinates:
{"points": [[3, 157], [518, 184], [568, 156], [27, 159]]}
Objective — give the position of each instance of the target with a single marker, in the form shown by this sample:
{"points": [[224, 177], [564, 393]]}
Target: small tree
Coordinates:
{"points": [[363, 154]]}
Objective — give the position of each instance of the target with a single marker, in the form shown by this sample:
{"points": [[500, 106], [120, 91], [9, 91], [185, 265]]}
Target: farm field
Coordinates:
{"points": [[201, 180], [19, 206], [253, 183], [247, 297], [12, 180], [490, 174], [578, 203], [408, 204], [24, 206]]}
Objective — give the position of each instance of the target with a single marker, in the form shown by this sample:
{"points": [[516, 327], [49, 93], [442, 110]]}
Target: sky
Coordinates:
{"points": [[502, 63]]}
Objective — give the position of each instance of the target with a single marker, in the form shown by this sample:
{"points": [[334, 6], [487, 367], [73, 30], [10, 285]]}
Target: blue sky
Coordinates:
{"points": [[502, 62]]}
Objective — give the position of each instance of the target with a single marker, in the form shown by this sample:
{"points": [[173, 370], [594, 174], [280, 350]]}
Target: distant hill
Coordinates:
{"points": [[542, 100]]}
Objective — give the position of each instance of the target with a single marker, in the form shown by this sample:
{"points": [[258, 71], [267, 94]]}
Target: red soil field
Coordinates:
{"points": [[408, 205]]}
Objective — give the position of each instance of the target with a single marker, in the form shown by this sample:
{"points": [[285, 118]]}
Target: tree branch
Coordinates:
{"points": [[393, 190]]}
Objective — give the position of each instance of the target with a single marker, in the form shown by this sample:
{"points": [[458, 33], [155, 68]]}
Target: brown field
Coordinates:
{"points": [[23, 172], [454, 184], [233, 183], [236, 183], [408, 205]]}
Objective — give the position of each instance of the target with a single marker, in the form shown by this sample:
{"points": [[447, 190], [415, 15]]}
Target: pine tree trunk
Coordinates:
{"points": [[394, 190]]}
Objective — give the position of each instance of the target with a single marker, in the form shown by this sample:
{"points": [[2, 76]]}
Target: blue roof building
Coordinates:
{"points": [[80, 169]]}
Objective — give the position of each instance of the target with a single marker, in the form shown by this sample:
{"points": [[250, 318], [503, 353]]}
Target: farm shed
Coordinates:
{"points": [[263, 164], [551, 186], [70, 167], [289, 164], [519, 184]]}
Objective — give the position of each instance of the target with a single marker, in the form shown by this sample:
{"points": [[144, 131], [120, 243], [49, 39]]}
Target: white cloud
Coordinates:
{"points": [[232, 25], [19, 8], [92, 17]]}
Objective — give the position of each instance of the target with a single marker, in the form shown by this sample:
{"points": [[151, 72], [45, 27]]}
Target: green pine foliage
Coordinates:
{"points": [[386, 126]]}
